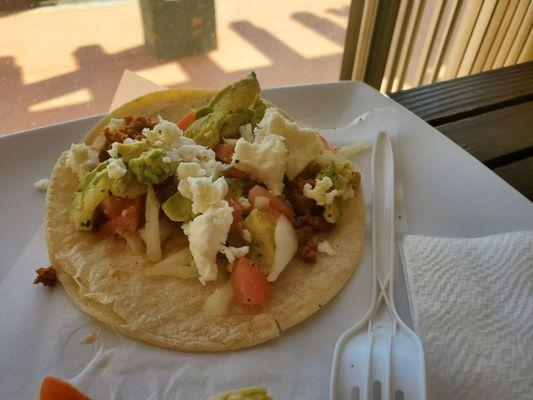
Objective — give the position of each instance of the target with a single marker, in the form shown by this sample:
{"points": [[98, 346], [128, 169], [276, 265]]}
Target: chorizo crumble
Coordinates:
{"points": [[46, 276]]}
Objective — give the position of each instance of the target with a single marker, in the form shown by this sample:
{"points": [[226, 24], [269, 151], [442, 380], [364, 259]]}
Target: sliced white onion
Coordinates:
{"points": [[133, 240], [152, 233], [261, 202], [217, 303], [286, 245], [181, 257]]}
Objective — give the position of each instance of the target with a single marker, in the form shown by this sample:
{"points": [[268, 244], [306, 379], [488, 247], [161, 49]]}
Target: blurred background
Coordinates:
{"points": [[62, 60]]}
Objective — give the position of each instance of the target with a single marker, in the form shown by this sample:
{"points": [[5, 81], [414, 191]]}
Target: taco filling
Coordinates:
{"points": [[248, 187]]}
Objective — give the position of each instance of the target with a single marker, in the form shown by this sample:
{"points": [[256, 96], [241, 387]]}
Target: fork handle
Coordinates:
{"points": [[382, 208]]}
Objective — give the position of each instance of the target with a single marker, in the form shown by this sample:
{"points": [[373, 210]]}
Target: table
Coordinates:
{"points": [[490, 115]]}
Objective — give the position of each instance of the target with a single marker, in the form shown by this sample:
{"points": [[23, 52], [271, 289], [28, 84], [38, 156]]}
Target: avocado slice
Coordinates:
{"points": [[127, 151], [263, 246], [149, 167], [177, 207], [238, 96], [228, 110], [258, 109]]}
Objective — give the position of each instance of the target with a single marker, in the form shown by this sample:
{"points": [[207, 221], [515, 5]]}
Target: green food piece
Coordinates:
{"points": [[249, 393], [341, 175], [228, 110], [232, 122], [132, 150], [206, 131], [95, 187], [202, 112], [332, 212], [258, 110], [127, 186], [235, 188], [149, 167], [263, 246], [238, 96], [177, 207]]}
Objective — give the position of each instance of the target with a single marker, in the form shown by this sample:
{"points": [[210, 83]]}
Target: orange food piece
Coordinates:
{"points": [[187, 119], [122, 213], [54, 388], [224, 152], [277, 203], [233, 172], [250, 286], [237, 225]]}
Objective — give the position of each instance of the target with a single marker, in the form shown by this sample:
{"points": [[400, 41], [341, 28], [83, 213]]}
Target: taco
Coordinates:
{"points": [[203, 221]]}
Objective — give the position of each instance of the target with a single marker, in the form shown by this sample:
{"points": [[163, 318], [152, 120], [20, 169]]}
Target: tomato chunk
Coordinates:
{"points": [[187, 119], [250, 286], [276, 203], [122, 213], [237, 225], [233, 172], [224, 152], [54, 388]]}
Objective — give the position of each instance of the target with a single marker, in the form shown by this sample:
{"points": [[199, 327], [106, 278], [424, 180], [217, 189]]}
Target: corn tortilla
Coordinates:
{"points": [[105, 279]]}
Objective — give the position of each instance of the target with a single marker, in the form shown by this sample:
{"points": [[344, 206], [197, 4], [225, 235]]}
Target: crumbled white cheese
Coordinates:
{"points": [[82, 159], [116, 169], [206, 193], [42, 184], [166, 160], [170, 133], [113, 151], [158, 143], [232, 253], [151, 134], [196, 153], [185, 228], [206, 233], [129, 140], [325, 247], [247, 235], [320, 192], [188, 170], [265, 160], [303, 144], [246, 132]]}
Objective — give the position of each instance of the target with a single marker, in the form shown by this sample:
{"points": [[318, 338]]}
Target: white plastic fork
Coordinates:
{"points": [[380, 358]]}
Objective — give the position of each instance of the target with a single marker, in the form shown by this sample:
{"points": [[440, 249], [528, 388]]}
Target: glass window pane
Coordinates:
{"points": [[62, 59]]}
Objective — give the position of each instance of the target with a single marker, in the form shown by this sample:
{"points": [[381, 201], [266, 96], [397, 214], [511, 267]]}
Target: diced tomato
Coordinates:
{"points": [[233, 172], [54, 388], [224, 152], [187, 119], [237, 225], [276, 203], [250, 286], [122, 213]]}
